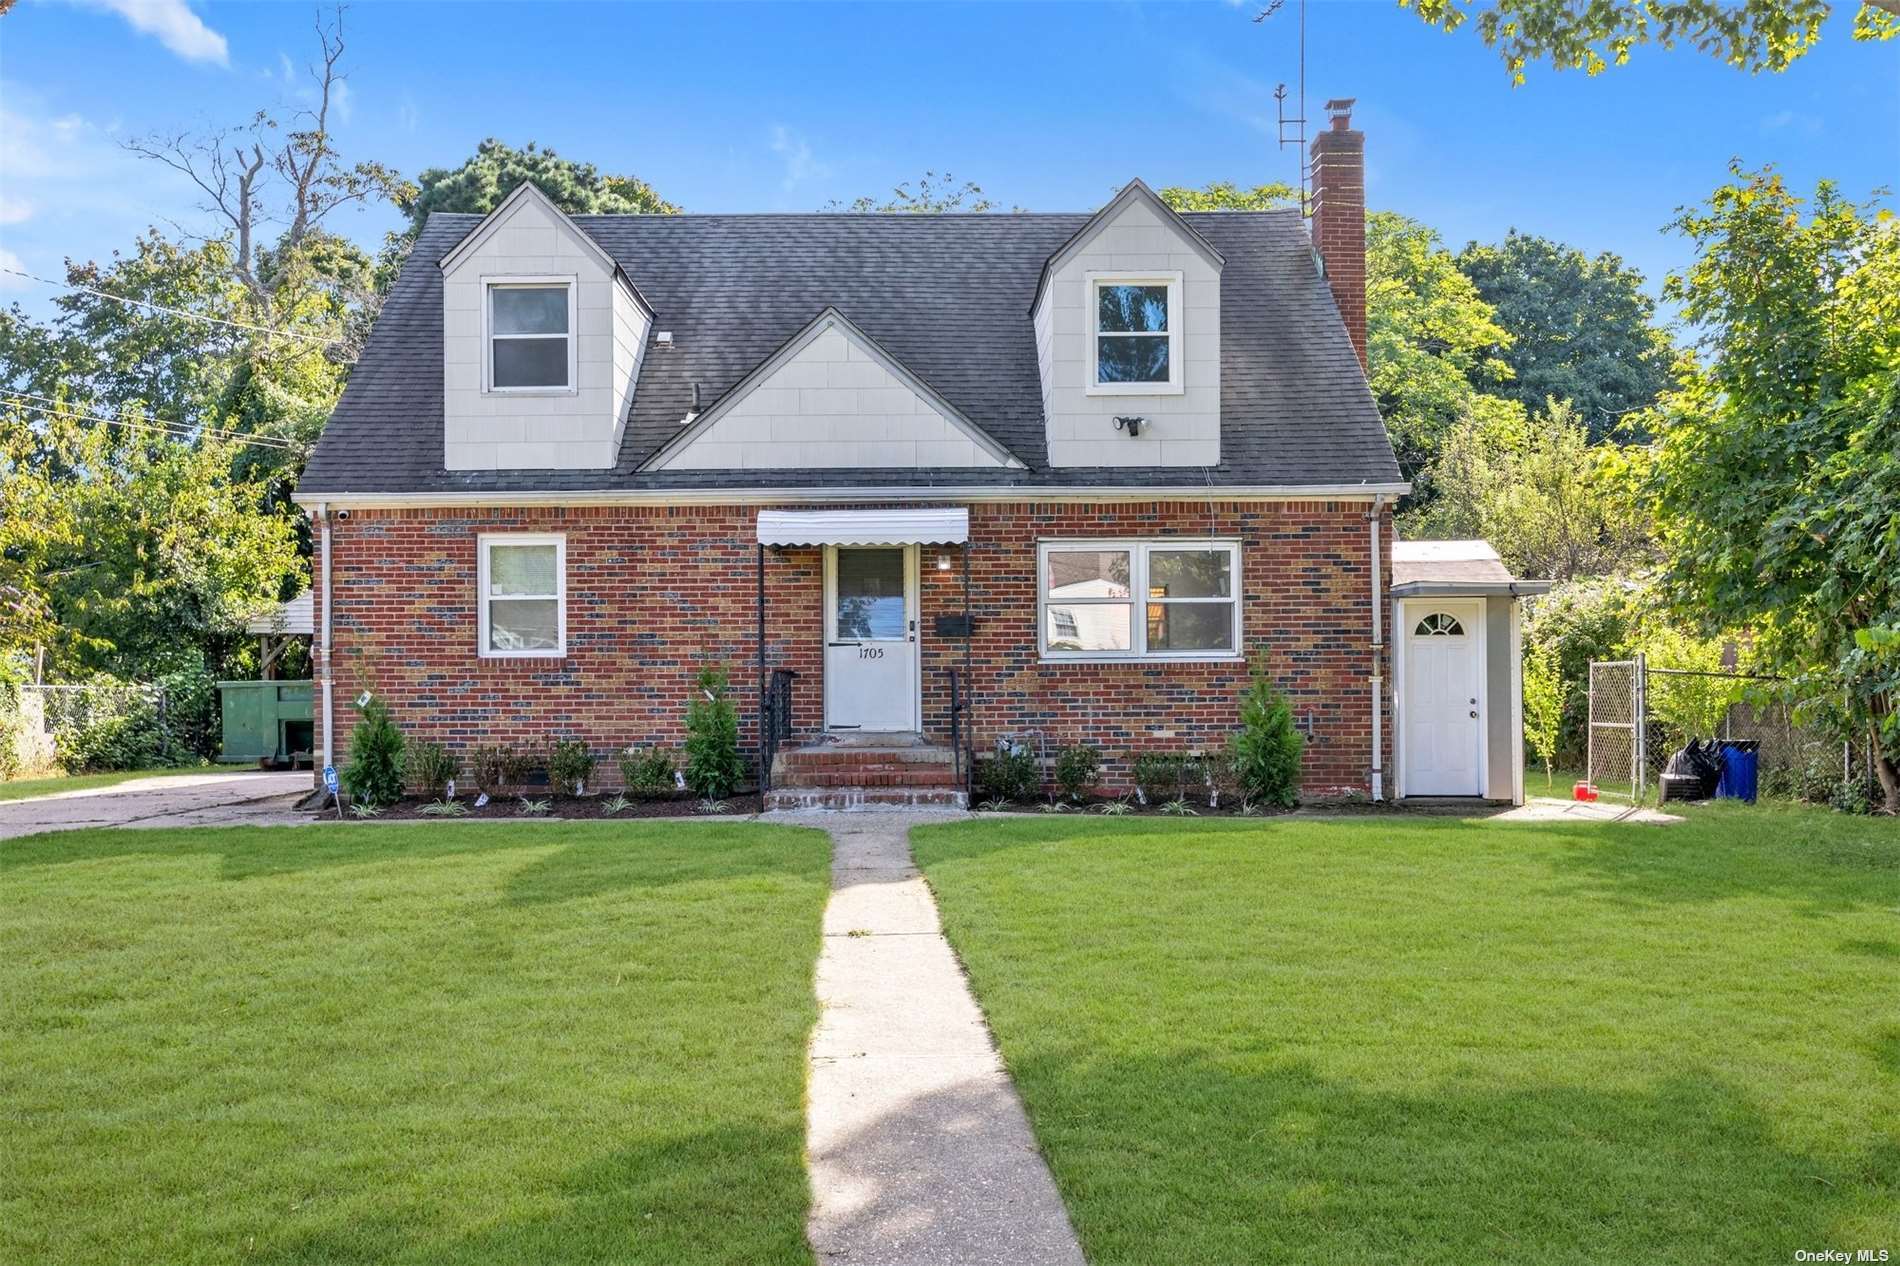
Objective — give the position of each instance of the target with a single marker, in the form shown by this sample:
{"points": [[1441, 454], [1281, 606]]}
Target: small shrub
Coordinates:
{"points": [[1053, 806], [1010, 774], [713, 764], [364, 809], [374, 774], [1266, 751], [444, 809], [647, 772], [429, 768], [1850, 796], [1180, 808], [1076, 770], [1223, 780], [498, 770], [535, 808], [1157, 777], [994, 806], [570, 765], [712, 804], [1114, 809]]}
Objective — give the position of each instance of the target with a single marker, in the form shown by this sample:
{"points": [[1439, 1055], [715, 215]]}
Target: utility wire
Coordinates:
{"points": [[177, 312], [176, 430]]}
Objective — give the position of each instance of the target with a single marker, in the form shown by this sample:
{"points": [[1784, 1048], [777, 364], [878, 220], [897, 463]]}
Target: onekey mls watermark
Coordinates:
{"points": [[1847, 1255]]}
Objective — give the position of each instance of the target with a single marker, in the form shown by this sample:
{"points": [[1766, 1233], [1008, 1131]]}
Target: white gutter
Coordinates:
{"points": [[820, 496], [323, 651], [1378, 652]]}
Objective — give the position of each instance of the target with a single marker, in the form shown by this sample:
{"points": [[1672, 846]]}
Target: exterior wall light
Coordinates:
{"points": [[1132, 425]]}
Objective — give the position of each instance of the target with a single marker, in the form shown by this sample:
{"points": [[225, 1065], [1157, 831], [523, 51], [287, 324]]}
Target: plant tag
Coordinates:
{"points": [[481, 801], [580, 788], [362, 700], [450, 789], [679, 780]]}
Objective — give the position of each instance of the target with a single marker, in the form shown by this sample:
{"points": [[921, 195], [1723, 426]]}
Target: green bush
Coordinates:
{"points": [[428, 769], [1157, 776], [570, 765], [1076, 770], [127, 737], [713, 766], [647, 772], [1009, 774], [1266, 751], [374, 774], [499, 770]]}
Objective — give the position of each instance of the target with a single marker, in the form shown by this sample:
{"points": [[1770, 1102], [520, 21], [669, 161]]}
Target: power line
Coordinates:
{"points": [[177, 312], [175, 430]]}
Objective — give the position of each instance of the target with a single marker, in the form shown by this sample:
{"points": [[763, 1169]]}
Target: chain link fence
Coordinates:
{"points": [[1802, 754], [46, 729]]}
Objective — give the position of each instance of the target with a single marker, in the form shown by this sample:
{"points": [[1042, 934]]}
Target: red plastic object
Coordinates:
{"points": [[1583, 791]]}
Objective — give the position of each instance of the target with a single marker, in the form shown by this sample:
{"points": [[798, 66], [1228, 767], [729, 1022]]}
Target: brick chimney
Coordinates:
{"points": [[1339, 216]]}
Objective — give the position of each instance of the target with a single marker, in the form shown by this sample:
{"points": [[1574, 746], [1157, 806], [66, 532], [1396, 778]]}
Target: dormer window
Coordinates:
{"points": [[531, 334], [1135, 334]]}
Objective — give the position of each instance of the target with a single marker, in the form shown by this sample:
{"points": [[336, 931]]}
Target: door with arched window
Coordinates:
{"points": [[1444, 703]]}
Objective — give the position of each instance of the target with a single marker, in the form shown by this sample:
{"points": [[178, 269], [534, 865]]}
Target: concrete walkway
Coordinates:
{"points": [[918, 1146], [214, 798]]}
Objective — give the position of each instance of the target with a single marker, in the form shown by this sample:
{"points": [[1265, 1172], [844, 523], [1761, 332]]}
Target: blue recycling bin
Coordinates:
{"points": [[1741, 769]]}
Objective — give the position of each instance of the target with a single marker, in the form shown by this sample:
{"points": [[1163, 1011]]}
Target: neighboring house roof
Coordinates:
{"points": [[292, 617], [1448, 568], [946, 296]]}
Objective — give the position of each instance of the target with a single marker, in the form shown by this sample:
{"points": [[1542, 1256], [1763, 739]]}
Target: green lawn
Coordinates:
{"points": [[1431, 1040], [434, 1043], [25, 788]]}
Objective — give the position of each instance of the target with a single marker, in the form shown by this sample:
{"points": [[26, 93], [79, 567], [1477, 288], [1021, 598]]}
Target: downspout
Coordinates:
{"points": [[1378, 652], [323, 650]]}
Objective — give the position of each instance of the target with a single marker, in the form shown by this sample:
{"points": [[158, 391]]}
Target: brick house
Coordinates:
{"points": [[903, 476]]}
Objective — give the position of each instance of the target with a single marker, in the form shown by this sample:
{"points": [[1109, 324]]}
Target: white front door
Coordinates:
{"points": [[871, 638], [1444, 689]]}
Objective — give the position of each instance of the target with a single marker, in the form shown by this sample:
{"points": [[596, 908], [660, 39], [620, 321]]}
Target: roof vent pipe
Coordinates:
{"points": [[693, 411]]}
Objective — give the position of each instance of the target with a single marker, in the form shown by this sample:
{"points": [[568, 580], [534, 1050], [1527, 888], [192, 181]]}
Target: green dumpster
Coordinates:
{"points": [[266, 721]]}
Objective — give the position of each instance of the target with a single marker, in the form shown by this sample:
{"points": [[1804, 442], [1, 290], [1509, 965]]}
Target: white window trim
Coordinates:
{"points": [[483, 543], [1138, 550], [572, 284], [1177, 318]]}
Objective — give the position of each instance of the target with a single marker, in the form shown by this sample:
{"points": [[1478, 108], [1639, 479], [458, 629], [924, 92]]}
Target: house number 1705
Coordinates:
{"points": [[870, 652]]}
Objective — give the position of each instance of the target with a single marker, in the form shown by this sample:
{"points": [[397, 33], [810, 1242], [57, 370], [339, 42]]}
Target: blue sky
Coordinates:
{"points": [[1047, 106]]}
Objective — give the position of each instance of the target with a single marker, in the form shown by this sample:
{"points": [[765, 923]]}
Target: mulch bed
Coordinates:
{"points": [[564, 808]]}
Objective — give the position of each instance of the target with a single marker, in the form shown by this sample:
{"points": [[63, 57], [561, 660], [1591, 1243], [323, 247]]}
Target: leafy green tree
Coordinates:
{"points": [[1266, 749], [497, 169], [1544, 691], [1581, 329], [1776, 473], [374, 775], [1225, 195], [1434, 345], [713, 765], [1599, 618], [128, 551], [1754, 35], [1546, 498], [934, 195]]}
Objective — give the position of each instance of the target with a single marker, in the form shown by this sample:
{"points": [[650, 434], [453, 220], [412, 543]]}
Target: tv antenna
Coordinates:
{"points": [[1298, 121]]}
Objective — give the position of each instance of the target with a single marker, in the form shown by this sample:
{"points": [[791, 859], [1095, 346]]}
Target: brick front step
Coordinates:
{"points": [[941, 797], [847, 767]]}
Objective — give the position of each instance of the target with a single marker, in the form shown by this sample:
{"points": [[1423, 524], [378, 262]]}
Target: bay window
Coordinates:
{"points": [[1159, 599]]}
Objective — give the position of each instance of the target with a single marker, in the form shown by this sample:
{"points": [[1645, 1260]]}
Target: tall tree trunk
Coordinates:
{"points": [[1884, 770]]}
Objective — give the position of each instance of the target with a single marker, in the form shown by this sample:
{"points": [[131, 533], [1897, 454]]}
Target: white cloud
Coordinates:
{"points": [[795, 152], [174, 25], [14, 210]]}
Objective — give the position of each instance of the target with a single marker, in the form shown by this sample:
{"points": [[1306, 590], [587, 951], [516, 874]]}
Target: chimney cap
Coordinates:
{"points": [[1340, 108]]}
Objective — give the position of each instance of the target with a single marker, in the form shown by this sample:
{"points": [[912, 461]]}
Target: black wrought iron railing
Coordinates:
{"points": [[775, 720], [959, 706]]}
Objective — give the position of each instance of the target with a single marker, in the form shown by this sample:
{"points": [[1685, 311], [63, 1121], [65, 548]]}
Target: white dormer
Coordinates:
{"points": [[1127, 322], [542, 336]]}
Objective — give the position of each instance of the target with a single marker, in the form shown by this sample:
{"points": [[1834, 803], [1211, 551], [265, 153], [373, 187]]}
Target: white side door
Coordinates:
{"points": [[871, 638], [1444, 693]]}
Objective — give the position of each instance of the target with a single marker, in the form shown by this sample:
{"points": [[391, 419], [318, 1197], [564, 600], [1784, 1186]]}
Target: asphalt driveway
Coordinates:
{"points": [[213, 798]]}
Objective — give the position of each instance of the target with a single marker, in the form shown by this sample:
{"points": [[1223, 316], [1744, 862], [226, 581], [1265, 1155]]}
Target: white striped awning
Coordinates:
{"points": [[945, 526]]}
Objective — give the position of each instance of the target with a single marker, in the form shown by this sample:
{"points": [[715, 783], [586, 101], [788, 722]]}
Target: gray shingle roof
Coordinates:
{"points": [[947, 295]]}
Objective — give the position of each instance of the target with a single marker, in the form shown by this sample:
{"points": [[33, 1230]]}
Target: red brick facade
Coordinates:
{"points": [[655, 593]]}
